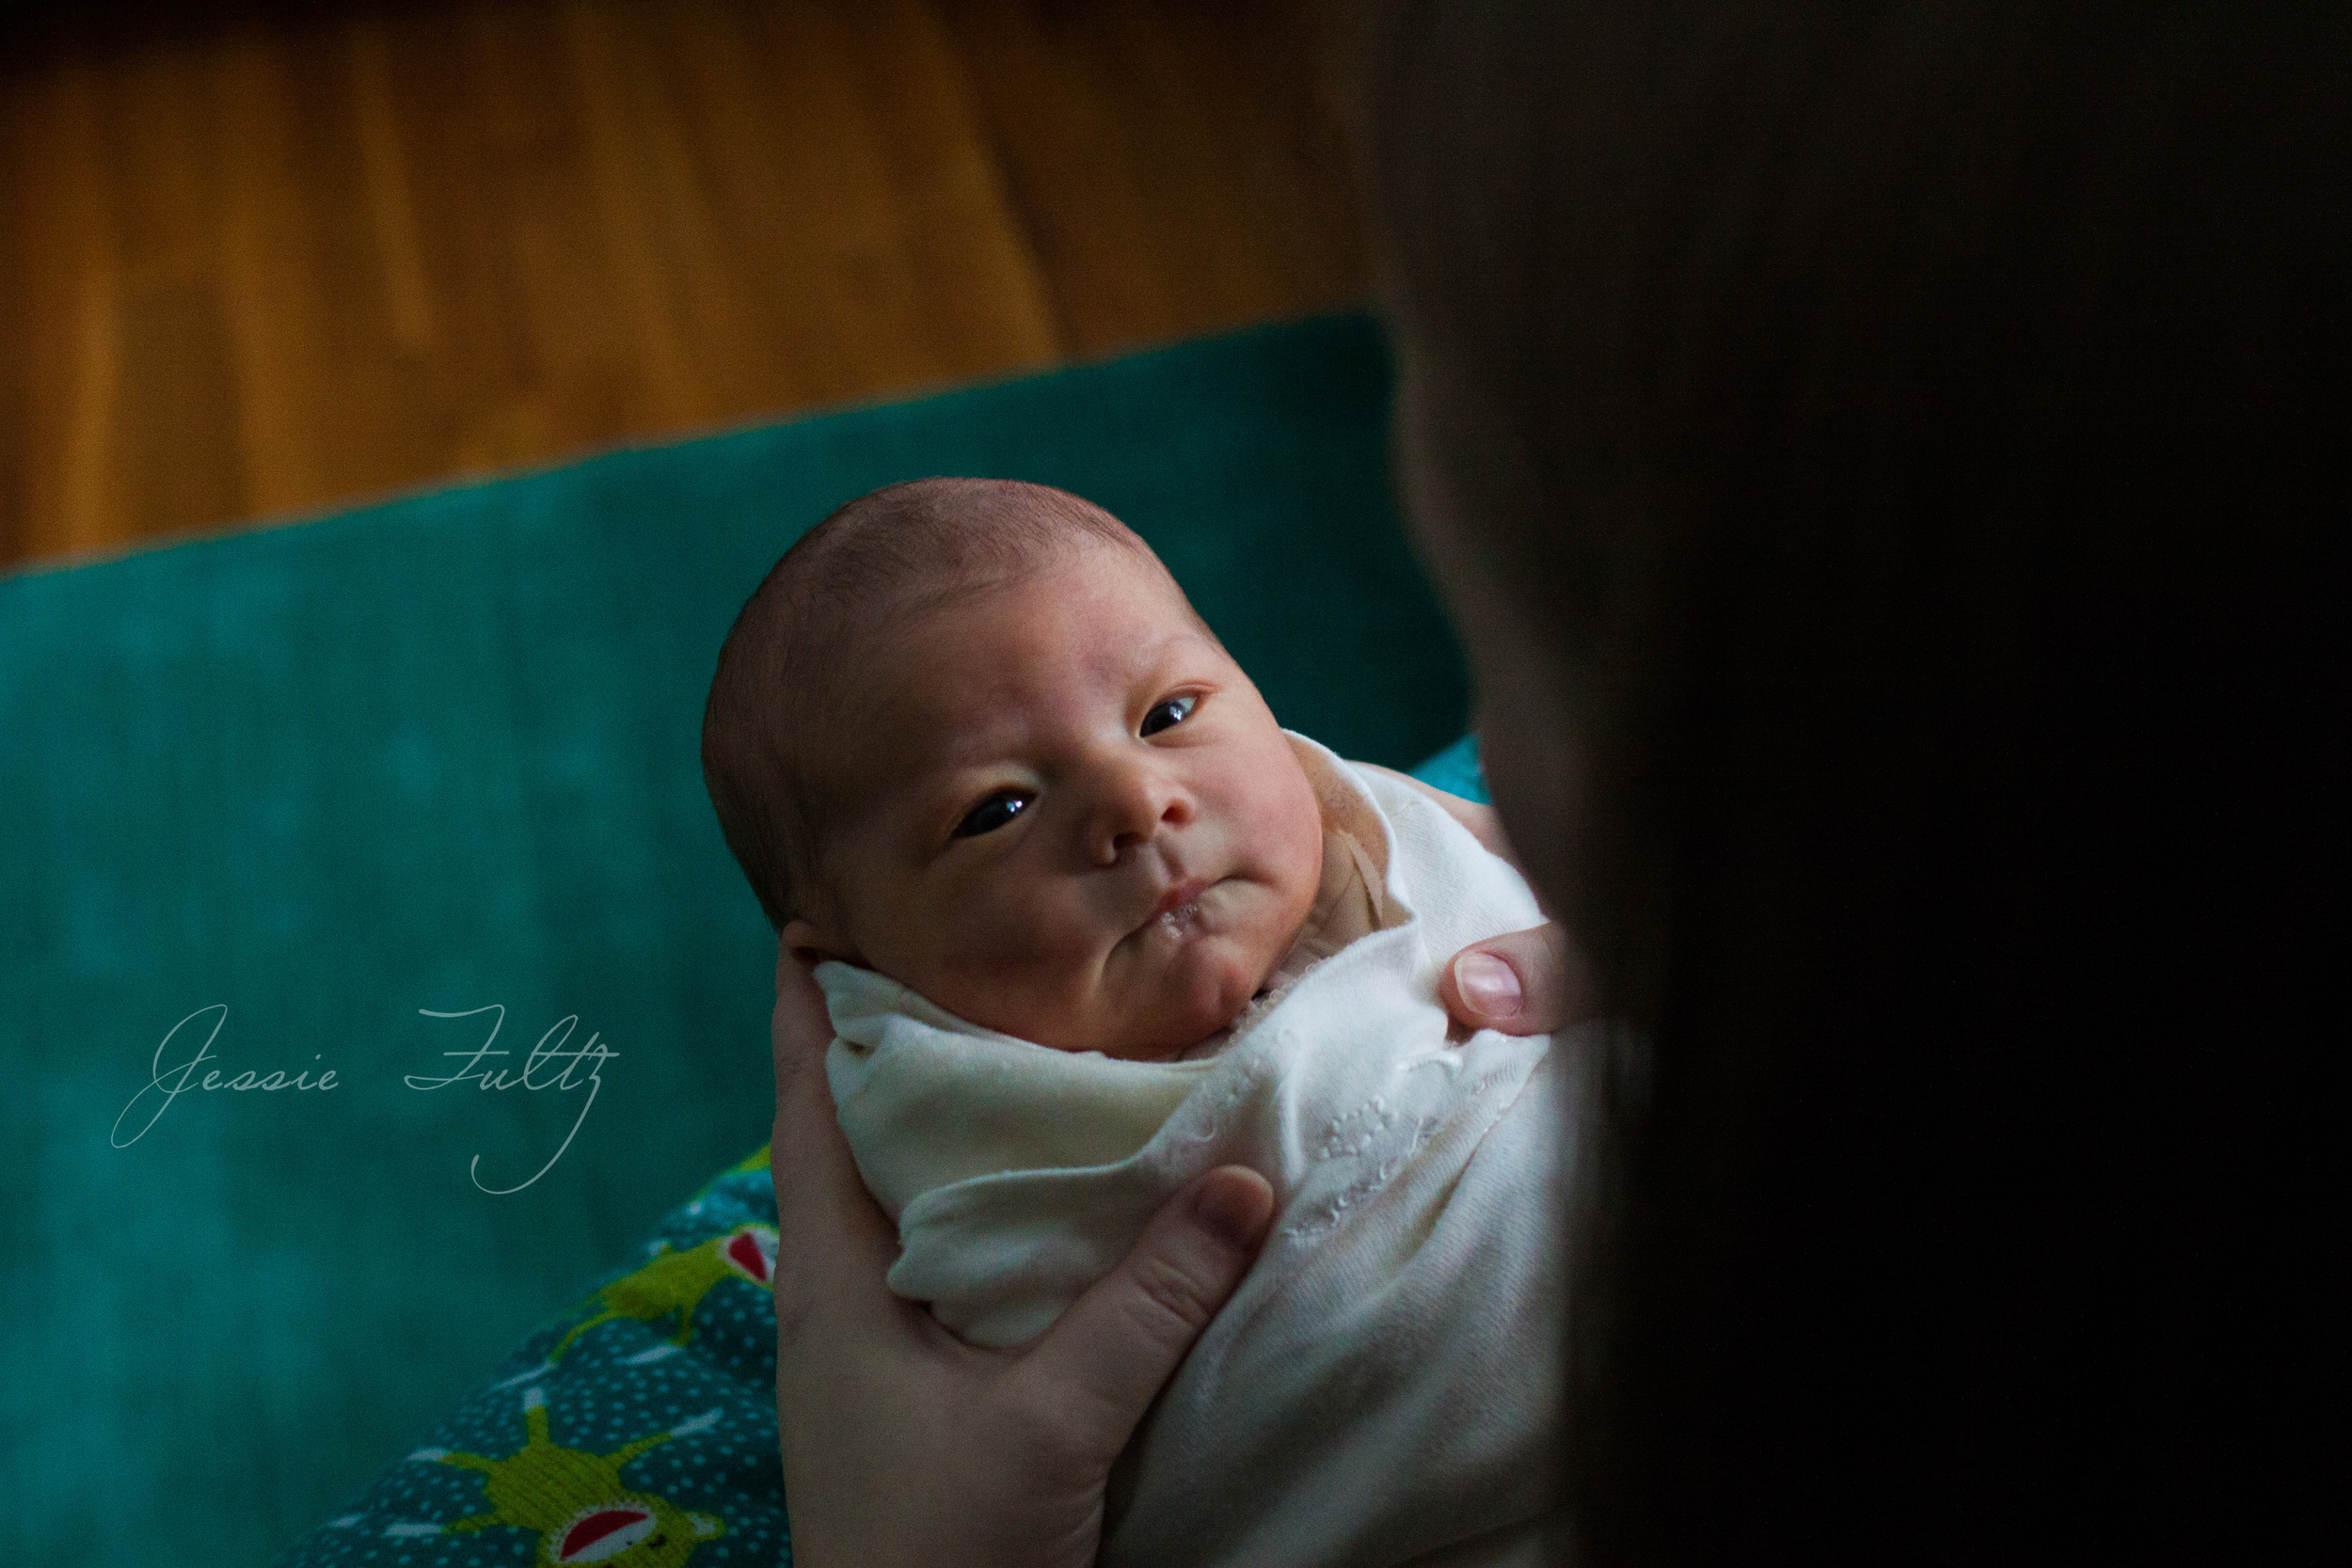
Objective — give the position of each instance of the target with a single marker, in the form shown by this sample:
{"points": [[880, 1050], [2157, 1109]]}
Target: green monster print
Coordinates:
{"points": [[675, 1282], [755, 1160], [577, 1501]]}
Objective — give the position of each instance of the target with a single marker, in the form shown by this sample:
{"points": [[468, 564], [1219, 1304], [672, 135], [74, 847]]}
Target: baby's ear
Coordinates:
{"points": [[812, 944]]}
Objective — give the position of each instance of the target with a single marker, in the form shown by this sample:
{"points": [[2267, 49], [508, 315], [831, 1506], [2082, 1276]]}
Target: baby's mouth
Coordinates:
{"points": [[1180, 906]]}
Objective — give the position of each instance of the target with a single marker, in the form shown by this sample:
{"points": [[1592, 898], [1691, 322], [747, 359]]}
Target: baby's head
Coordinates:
{"points": [[969, 733]]}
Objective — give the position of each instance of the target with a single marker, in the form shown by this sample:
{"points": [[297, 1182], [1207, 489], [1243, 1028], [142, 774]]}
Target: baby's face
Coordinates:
{"points": [[1076, 820]]}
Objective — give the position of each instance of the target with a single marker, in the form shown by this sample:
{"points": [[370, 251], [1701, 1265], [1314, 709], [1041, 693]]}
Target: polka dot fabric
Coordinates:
{"points": [[637, 1431]]}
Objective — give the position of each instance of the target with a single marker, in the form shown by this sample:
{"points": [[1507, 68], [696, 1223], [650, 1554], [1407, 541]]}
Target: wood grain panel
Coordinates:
{"points": [[262, 259]]}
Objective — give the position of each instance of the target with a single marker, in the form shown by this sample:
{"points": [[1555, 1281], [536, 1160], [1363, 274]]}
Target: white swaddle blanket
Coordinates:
{"points": [[1385, 1382]]}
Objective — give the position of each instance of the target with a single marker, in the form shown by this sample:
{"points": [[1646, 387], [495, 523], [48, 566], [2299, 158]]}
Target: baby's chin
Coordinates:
{"points": [[1190, 1007], [1178, 1012]]}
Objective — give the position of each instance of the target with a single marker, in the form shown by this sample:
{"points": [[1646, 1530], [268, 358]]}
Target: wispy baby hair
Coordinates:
{"points": [[781, 704]]}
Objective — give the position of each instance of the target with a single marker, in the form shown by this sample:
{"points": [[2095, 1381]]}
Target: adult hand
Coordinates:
{"points": [[1530, 982], [904, 1445]]}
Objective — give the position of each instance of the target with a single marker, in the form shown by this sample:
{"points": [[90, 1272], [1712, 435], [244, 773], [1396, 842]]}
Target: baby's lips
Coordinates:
{"points": [[1178, 895]]}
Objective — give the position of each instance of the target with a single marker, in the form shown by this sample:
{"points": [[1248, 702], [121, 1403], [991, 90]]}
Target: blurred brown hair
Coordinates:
{"points": [[1919, 429]]}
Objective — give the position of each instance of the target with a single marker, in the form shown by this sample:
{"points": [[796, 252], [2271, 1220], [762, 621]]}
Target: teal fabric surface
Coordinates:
{"points": [[1457, 770], [290, 797]]}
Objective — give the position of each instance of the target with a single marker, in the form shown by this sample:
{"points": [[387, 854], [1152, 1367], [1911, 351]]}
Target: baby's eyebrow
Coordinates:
{"points": [[1150, 656], [966, 747], [988, 736]]}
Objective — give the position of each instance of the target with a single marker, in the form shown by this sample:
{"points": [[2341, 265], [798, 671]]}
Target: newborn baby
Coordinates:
{"points": [[1089, 923]]}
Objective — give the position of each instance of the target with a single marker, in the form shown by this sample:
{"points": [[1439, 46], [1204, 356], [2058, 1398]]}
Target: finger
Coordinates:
{"points": [[801, 1028], [1530, 982], [837, 1241], [1103, 1362]]}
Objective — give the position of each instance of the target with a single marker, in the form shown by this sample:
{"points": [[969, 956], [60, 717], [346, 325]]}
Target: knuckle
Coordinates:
{"points": [[1174, 1298]]}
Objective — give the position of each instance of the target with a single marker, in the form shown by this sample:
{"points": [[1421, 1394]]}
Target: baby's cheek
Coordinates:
{"points": [[1022, 1003], [1300, 843], [1022, 966]]}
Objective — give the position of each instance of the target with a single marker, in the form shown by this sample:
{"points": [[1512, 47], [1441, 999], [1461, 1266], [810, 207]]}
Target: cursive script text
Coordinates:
{"points": [[538, 1071], [169, 1084]]}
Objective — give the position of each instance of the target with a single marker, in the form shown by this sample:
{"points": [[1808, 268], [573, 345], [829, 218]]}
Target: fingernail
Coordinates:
{"points": [[1489, 984], [1229, 1211]]}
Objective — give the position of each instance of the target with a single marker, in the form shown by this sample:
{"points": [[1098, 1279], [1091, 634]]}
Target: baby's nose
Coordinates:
{"points": [[1137, 801]]}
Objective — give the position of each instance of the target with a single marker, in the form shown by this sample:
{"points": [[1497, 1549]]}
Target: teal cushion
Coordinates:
{"points": [[312, 784], [1457, 770]]}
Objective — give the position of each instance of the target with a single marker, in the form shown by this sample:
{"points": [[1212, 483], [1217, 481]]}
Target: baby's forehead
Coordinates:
{"points": [[967, 678], [1102, 608]]}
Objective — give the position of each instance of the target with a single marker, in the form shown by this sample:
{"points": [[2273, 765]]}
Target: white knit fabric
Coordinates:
{"points": [[1384, 1385]]}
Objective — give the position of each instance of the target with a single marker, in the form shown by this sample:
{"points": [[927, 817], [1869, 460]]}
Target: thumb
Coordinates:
{"points": [[826, 1221], [1110, 1355], [1530, 982]]}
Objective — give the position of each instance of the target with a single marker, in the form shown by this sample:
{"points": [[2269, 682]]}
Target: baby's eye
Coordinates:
{"points": [[1167, 712], [993, 812]]}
